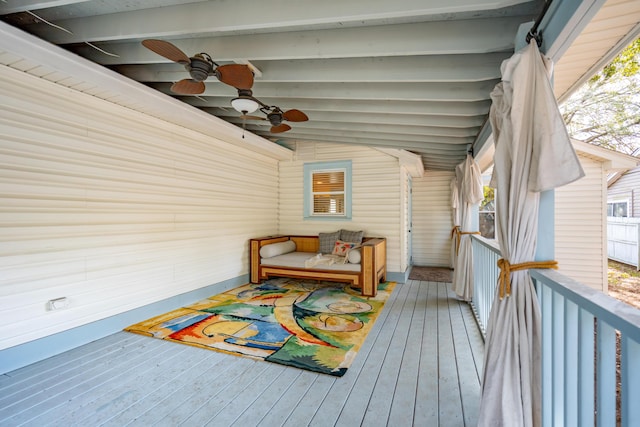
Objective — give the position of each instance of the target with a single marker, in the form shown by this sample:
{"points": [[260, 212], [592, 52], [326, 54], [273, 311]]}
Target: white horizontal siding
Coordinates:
{"points": [[376, 195], [628, 187], [114, 209], [580, 227], [432, 219]]}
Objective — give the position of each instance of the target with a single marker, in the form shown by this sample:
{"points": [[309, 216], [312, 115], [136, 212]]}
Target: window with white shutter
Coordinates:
{"points": [[327, 190]]}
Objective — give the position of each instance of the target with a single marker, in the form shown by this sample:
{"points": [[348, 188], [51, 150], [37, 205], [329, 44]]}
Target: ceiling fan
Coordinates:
{"points": [[200, 66], [245, 103]]}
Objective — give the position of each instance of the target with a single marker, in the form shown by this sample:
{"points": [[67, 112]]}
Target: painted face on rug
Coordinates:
{"points": [[327, 322], [349, 307]]}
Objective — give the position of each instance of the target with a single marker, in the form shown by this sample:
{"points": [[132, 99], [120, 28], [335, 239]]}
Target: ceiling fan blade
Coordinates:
{"points": [[166, 49], [252, 117], [294, 116], [188, 87], [236, 75], [280, 128]]}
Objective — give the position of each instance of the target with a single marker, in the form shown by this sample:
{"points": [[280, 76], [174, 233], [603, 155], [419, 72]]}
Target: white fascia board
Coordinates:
{"points": [[612, 160], [412, 162]]}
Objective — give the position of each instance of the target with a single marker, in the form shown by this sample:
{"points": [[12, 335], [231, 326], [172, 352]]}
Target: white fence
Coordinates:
{"points": [[623, 235]]}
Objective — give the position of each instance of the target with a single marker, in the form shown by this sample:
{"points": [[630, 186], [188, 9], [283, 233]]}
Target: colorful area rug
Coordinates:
{"points": [[319, 326]]}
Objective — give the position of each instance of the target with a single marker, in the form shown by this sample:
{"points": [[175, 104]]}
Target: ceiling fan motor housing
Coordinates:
{"points": [[199, 68], [275, 118]]}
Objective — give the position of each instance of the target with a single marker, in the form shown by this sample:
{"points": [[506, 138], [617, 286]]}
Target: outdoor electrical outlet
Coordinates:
{"points": [[58, 303]]}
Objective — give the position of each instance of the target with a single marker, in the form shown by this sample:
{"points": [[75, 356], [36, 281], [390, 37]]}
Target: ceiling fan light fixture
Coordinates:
{"points": [[244, 105]]}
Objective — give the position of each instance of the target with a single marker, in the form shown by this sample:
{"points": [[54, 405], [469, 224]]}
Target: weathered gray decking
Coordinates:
{"points": [[420, 365]]}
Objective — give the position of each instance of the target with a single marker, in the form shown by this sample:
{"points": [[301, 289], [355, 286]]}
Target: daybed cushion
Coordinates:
{"points": [[342, 248], [297, 260], [327, 241], [351, 236], [275, 249], [354, 256]]}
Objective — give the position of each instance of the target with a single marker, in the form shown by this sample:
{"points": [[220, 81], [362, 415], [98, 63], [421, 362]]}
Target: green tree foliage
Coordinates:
{"points": [[606, 110], [489, 197], [626, 64]]}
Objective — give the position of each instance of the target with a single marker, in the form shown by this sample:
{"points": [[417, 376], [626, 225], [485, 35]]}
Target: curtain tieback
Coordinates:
{"points": [[506, 268], [457, 233]]}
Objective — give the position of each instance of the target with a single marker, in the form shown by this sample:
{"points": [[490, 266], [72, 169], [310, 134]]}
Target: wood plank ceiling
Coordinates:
{"points": [[407, 74]]}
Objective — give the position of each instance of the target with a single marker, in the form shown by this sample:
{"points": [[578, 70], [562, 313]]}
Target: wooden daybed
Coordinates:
{"points": [[366, 275]]}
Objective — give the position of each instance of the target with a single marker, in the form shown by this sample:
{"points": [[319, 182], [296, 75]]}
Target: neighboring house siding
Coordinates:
{"points": [[376, 198], [432, 219], [114, 210], [580, 227], [627, 187]]}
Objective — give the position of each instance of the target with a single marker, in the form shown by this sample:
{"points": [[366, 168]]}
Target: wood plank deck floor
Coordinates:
{"points": [[420, 365]]}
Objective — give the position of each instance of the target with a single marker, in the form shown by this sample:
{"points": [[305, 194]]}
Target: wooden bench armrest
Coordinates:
{"points": [[373, 264], [254, 254]]}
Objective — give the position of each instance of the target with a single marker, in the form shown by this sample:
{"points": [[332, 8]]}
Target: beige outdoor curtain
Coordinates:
{"points": [[455, 219], [469, 186], [533, 154]]}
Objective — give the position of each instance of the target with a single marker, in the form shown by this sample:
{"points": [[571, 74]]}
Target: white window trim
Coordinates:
{"points": [[309, 170], [627, 201]]}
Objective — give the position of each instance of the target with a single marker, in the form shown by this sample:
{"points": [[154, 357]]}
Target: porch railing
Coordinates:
{"points": [[590, 347]]}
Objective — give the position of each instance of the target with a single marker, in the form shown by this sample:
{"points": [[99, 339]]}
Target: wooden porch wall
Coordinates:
{"points": [[113, 209]]}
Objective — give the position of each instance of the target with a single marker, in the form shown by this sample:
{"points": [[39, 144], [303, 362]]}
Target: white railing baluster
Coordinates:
{"points": [[558, 358], [586, 373], [630, 378], [545, 297], [571, 314], [606, 374]]}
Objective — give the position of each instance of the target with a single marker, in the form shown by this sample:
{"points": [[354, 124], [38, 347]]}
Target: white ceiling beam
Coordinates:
{"points": [[237, 17], [432, 38], [349, 132], [379, 118], [384, 128], [435, 68], [444, 143], [364, 91], [436, 108], [424, 147], [15, 6], [430, 165]]}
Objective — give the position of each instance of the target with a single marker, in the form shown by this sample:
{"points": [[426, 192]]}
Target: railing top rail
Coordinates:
{"points": [[489, 243], [619, 315]]}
